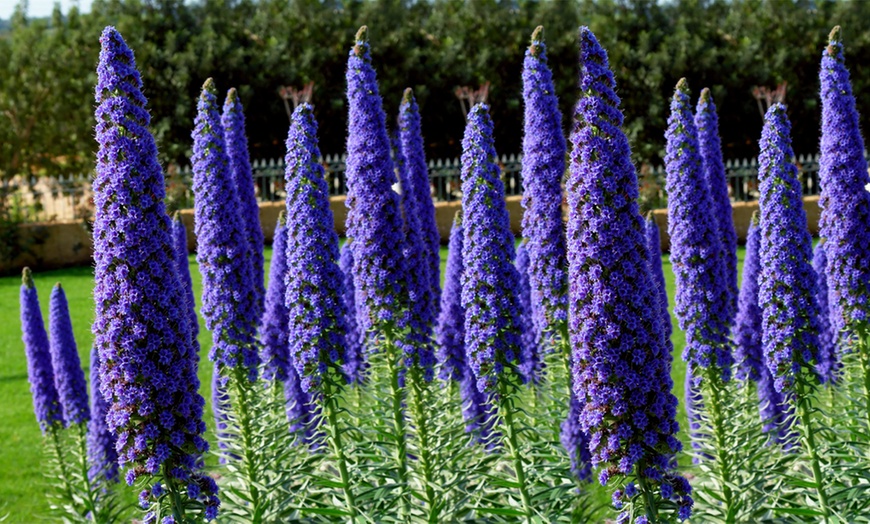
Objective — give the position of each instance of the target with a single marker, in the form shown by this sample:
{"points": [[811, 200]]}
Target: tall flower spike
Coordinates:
{"points": [[747, 327], [229, 297], [701, 303], [417, 344], [46, 402], [707, 123], [530, 355], [374, 219], [621, 368], [69, 379], [314, 295], [845, 220], [179, 240], [276, 355], [411, 138], [543, 167], [787, 281], [829, 364], [654, 248], [233, 121], [354, 358], [101, 442], [450, 335], [747, 335], [148, 370], [490, 282]]}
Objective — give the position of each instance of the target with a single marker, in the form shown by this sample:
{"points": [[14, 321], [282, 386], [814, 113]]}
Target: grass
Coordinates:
{"points": [[22, 485]]}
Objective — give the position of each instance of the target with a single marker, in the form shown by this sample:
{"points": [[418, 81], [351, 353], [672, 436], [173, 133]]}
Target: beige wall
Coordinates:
{"points": [[62, 244]]}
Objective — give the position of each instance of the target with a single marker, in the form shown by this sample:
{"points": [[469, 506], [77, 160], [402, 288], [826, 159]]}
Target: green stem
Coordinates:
{"points": [[803, 403], [246, 430], [723, 458], [330, 402], [418, 388], [54, 430], [175, 498], [507, 412], [398, 421], [649, 498], [864, 355], [90, 500]]}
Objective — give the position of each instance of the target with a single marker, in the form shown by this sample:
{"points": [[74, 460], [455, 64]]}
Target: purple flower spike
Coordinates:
{"points": [[300, 406], [276, 355], [490, 282], [69, 379], [621, 367], [411, 139], [46, 403], [101, 442], [654, 248], [747, 333], [702, 299], [314, 296], [179, 241], [543, 167], [148, 366], [575, 441], [417, 344], [787, 281], [747, 327], [707, 122], [450, 335], [374, 219], [845, 203], [531, 364], [354, 359], [233, 121], [229, 298], [829, 362]]}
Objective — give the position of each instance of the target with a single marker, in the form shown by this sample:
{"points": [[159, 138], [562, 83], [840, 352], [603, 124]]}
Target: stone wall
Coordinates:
{"points": [[63, 244]]}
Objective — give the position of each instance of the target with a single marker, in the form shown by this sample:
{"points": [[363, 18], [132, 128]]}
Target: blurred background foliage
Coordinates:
{"points": [[47, 66]]}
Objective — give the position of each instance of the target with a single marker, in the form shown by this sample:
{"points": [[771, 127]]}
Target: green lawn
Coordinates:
{"points": [[21, 481]]}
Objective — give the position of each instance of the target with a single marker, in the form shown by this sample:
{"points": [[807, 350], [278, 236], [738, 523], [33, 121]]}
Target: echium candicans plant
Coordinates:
{"points": [[102, 456], [530, 355], [233, 121], [355, 364], [748, 352], [228, 303], [621, 367], [229, 296], [40, 373], [314, 294], [490, 289], [829, 363], [707, 122], [273, 332], [417, 342], [69, 379], [147, 363], [450, 336], [701, 303], [375, 231], [787, 288], [543, 166], [277, 365], [845, 204], [179, 242], [73, 495], [417, 177]]}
